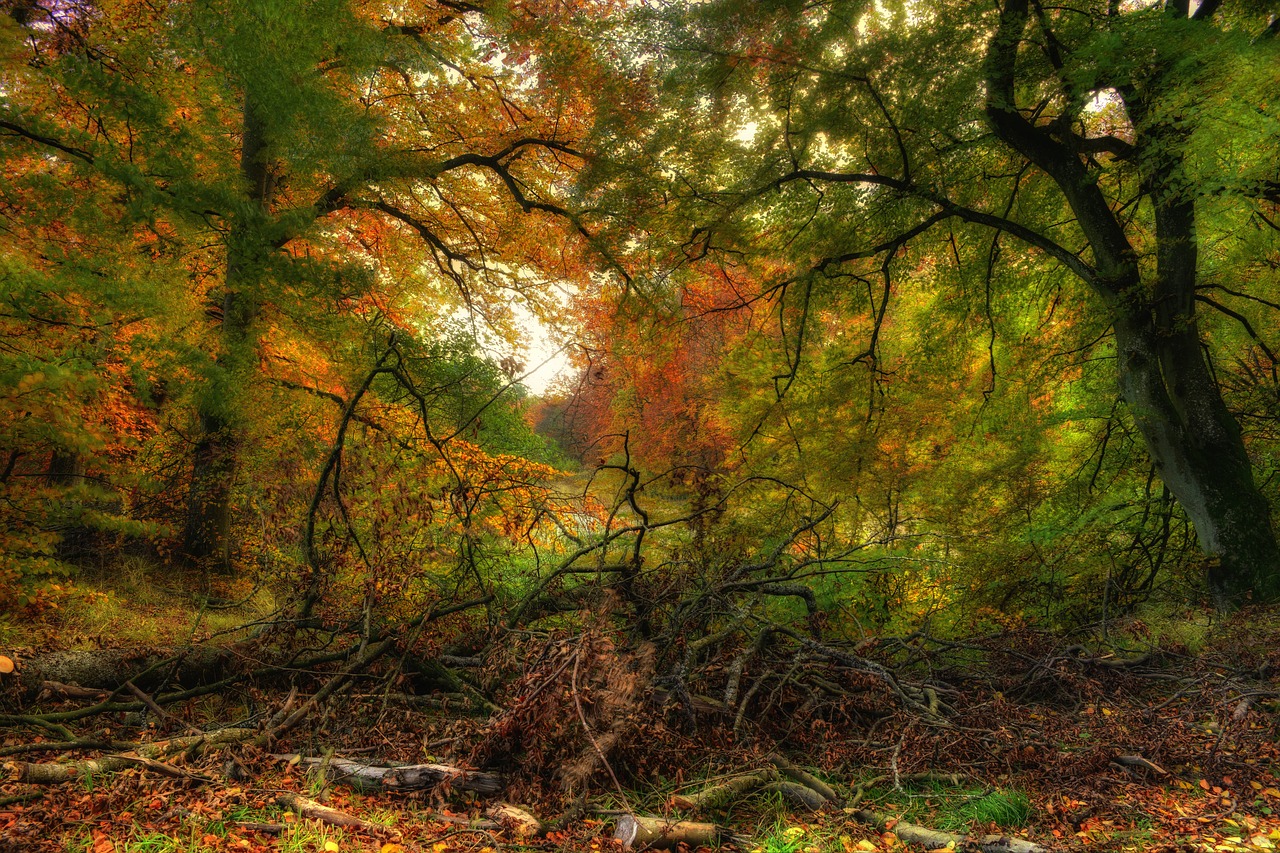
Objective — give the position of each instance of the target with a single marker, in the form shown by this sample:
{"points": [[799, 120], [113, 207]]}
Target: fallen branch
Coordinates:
{"points": [[805, 778], [265, 828], [1140, 763], [863, 787], [797, 793], [932, 839], [57, 691], [800, 787], [56, 773], [312, 810], [716, 796], [412, 777], [642, 831]]}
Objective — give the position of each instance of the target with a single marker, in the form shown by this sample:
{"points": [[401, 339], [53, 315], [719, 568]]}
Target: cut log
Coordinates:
{"points": [[109, 669], [521, 823], [932, 839], [644, 832], [413, 777]]}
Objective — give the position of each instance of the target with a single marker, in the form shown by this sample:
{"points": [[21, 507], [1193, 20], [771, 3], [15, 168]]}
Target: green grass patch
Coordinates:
{"points": [[951, 809], [1006, 809]]}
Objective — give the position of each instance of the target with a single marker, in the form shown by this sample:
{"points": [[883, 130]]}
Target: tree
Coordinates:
{"points": [[848, 136], [297, 158]]}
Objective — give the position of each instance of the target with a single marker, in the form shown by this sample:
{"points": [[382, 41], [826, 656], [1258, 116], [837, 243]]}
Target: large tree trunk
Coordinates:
{"points": [[1192, 437], [207, 536], [1198, 452], [1163, 372]]}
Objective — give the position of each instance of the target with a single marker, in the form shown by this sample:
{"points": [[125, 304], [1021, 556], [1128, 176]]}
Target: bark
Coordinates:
{"points": [[797, 793], [932, 839], [521, 823], [1164, 376], [717, 796], [110, 669], [65, 468], [804, 788], [655, 832], [311, 810], [805, 778], [413, 777], [147, 755]]}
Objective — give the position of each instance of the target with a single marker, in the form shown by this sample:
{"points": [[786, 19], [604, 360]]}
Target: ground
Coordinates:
{"points": [[1073, 745]]}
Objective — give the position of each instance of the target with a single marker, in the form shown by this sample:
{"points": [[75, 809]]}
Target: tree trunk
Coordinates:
{"points": [[1163, 372], [1199, 454], [207, 536], [65, 468]]}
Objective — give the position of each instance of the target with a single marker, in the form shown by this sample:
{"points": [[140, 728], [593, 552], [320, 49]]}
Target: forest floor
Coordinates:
{"points": [[1072, 750]]}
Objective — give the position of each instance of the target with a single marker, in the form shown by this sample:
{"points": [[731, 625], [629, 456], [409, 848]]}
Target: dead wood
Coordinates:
{"points": [[1137, 762], [724, 793], [57, 691], [413, 777], [312, 810], [57, 773], [644, 831], [797, 793], [932, 839], [109, 669], [805, 778], [800, 787], [164, 769], [521, 823], [265, 828]]}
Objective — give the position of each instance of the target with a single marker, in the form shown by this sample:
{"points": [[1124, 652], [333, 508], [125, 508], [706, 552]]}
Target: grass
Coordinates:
{"points": [[300, 837], [139, 601], [782, 839], [1006, 809], [938, 806]]}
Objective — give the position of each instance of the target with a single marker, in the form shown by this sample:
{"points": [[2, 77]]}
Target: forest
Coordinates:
{"points": [[794, 426]]}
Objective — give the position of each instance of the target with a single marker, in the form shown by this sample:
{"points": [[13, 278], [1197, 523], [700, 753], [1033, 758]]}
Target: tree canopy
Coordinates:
{"points": [[989, 287]]}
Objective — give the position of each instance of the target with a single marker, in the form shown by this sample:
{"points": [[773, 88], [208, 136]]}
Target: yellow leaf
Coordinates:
{"points": [[331, 847], [865, 845]]}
